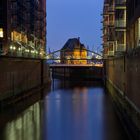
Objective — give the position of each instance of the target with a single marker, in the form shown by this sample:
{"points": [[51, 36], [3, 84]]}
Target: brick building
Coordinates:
{"points": [[23, 27], [123, 73], [133, 24], [73, 52], [114, 27]]}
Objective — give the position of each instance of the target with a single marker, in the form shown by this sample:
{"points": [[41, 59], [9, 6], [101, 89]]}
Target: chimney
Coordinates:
{"points": [[78, 40]]}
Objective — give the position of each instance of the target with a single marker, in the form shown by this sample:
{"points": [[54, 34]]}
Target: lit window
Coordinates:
{"points": [[139, 28], [1, 32]]}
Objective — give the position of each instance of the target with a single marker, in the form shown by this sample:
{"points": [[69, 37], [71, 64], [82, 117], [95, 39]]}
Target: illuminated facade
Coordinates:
{"points": [[73, 50], [133, 24], [114, 27], [23, 27]]}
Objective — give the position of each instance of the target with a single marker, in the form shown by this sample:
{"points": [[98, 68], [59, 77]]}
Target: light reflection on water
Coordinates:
{"points": [[26, 126], [76, 116], [79, 111], [71, 111]]}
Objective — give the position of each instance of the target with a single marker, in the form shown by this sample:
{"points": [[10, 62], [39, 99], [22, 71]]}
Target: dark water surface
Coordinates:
{"points": [[70, 111]]}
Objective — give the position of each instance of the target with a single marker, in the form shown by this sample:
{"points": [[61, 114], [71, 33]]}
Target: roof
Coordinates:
{"points": [[72, 44]]}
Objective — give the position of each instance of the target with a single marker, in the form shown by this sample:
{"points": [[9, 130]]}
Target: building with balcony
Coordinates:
{"points": [[108, 28], [23, 27], [120, 26], [114, 27], [73, 52], [133, 24]]}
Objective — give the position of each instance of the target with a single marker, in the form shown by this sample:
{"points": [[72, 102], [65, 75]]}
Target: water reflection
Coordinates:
{"points": [[78, 111], [26, 126], [70, 111], [64, 84]]}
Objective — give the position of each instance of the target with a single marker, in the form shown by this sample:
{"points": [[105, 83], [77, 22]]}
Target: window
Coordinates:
{"points": [[111, 46], [1, 33], [120, 37], [139, 28], [14, 5], [138, 33]]}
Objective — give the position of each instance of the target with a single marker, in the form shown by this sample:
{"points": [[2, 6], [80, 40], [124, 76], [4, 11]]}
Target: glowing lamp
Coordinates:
{"points": [[14, 48], [19, 49], [1, 33], [11, 47], [27, 50]]}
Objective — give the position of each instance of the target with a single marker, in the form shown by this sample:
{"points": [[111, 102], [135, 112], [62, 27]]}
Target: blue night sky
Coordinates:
{"points": [[74, 18]]}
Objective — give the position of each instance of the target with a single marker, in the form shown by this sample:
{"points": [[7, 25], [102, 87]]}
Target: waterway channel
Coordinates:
{"points": [[69, 111]]}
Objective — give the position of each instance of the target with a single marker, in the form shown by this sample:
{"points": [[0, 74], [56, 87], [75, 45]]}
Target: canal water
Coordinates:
{"points": [[69, 111]]}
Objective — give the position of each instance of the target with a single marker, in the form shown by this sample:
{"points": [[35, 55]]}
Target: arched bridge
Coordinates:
{"points": [[83, 64]]}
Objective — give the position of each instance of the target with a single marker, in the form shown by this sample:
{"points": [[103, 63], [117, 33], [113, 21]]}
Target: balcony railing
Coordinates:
{"points": [[120, 23], [111, 37], [105, 23], [110, 53], [108, 23], [111, 23], [120, 2], [120, 47], [111, 8]]}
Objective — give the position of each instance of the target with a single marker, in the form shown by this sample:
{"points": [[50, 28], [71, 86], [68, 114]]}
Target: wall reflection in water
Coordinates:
{"points": [[26, 126]]}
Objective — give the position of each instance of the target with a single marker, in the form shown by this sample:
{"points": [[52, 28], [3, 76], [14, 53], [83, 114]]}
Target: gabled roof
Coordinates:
{"points": [[72, 44]]}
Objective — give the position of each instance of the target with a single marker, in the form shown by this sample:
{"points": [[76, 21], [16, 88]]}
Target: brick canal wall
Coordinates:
{"points": [[18, 75], [123, 82]]}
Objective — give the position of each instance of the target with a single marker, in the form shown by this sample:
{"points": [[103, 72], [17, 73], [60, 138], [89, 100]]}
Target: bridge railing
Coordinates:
{"points": [[67, 56]]}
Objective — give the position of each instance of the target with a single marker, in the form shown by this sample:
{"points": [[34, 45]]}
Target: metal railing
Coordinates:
{"points": [[120, 23], [105, 23], [111, 8], [110, 53], [111, 22], [22, 53], [120, 47], [120, 2]]}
